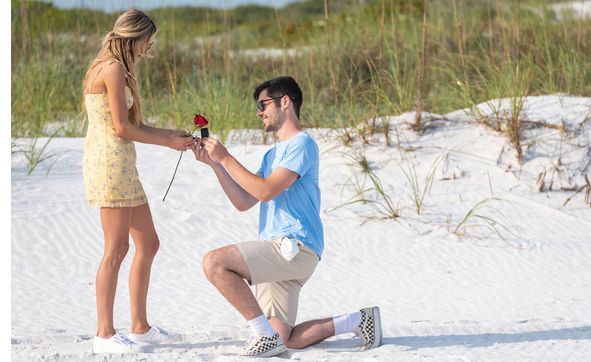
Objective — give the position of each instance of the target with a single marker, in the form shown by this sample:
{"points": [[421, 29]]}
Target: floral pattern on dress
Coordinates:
{"points": [[109, 171]]}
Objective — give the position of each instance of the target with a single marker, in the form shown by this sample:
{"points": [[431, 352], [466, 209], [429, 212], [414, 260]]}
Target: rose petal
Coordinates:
{"points": [[200, 121]]}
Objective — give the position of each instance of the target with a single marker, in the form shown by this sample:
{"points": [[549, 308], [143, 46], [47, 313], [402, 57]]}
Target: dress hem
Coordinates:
{"points": [[115, 204]]}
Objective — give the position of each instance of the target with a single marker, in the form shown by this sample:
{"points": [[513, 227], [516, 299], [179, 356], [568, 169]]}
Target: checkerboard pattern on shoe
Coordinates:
{"points": [[370, 328], [260, 346]]}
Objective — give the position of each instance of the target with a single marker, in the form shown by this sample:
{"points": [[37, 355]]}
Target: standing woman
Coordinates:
{"points": [[115, 121]]}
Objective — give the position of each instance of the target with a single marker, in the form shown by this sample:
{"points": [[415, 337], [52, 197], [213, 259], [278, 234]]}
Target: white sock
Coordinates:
{"points": [[261, 326], [346, 323]]}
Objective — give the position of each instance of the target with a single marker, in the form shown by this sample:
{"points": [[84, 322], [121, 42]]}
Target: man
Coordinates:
{"points": [[290, 231]]}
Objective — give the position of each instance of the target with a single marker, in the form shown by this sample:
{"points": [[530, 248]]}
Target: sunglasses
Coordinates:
{"points": [[261, 105]]}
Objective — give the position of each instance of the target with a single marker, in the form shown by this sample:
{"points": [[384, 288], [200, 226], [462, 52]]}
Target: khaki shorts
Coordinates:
{"points": [[278, 281]]}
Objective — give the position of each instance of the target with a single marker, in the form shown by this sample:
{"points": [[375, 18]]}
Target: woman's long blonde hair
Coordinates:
{"points": [[121, 44]]}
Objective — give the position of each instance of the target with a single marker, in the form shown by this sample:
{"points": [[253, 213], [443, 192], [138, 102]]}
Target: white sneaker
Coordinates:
{"points": [[116, 344], [156, 335]]}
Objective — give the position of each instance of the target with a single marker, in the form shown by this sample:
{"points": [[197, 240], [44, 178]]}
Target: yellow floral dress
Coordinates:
{"points": [[110, 175]]}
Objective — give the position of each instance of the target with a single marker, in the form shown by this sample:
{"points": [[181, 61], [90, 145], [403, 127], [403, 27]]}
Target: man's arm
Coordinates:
{"points": [[262, 189], [241, 199]]}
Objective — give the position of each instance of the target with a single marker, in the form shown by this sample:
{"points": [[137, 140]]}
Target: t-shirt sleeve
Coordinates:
{"points": [[260, 171], [263, 167], [300, 156]]}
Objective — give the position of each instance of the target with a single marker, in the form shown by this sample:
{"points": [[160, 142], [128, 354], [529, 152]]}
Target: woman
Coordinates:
{"points": [[115, 118]]}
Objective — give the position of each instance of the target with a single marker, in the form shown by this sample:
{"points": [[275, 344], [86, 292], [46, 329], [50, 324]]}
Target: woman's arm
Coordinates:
{"points": [[163, 131], [114, 79]]}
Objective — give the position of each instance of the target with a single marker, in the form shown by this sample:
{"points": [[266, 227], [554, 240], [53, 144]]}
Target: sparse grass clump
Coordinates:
{"points": [[419, 187], [483, 215], [374, 194], [34, 154]]}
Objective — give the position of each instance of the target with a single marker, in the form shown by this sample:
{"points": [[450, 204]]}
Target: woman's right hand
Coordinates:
{"points": [[176, 132], [180, 143]]}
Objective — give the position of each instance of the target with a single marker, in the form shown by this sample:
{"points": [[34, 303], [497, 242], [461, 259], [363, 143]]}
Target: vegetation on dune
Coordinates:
{"points": [[355, 60]]}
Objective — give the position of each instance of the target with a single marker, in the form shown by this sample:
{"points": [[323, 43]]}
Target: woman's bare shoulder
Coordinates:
{"points": [[107, 71], [114, 69], [114, 73]]}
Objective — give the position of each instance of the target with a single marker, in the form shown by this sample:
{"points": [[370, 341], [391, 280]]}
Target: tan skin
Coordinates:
{"points": [[119, 223], [225, 267]]}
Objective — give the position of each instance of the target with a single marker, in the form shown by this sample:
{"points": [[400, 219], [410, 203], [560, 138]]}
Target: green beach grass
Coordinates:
{"points": [[355, 60]]}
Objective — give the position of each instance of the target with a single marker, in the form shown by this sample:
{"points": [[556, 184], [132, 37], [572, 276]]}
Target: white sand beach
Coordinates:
{"points": [[510, 283]]}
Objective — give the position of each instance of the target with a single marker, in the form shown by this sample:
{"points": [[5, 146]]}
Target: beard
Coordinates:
{"points": [[272, 123]]}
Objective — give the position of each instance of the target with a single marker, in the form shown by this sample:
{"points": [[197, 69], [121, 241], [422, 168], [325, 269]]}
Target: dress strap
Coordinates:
{"points": [[94, 78], [127, 73]]}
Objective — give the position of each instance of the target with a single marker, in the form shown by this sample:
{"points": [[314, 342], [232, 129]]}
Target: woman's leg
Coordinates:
{"points": [[115, 223], [146, 246]]}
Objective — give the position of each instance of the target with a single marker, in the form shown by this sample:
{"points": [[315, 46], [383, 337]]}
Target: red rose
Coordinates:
{"points": [[200, 121]]}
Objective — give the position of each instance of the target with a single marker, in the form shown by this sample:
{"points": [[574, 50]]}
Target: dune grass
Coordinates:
{"points": [[366, 188], [35, 154], [355, 60]]}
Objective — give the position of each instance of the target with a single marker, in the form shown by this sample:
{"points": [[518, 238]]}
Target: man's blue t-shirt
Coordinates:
{"points": [[295, 212]]}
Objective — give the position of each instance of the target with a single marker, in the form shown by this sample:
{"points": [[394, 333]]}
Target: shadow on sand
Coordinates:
{"points": [[418, 342], [488, 339], [466, 340]]}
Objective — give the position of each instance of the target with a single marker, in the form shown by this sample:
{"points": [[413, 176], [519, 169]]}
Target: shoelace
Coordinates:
{"points": [[119, 338], [159, 330]]}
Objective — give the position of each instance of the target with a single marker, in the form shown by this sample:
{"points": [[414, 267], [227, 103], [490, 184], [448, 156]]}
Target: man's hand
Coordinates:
{"points": [[215, 149], [201, 154]]}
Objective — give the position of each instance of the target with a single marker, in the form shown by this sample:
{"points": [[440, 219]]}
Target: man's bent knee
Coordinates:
{"points": [[209, 264], [225, 259]]}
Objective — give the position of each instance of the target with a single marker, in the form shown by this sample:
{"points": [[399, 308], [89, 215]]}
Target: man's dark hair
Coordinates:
{"points": [[282, 86]]}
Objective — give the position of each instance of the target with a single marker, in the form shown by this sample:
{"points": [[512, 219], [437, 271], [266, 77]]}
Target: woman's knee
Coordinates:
{"points": [[148, 248], [115, 255]]}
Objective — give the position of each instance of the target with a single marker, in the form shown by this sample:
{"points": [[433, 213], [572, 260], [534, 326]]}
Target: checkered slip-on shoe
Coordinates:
{"points": [[370, 328], [259, 346]]}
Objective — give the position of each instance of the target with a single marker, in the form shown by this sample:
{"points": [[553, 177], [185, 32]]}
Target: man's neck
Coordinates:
{"points": [[290, 128]]}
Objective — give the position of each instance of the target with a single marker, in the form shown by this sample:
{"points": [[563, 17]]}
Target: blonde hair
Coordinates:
{"points": [[120, 45]]}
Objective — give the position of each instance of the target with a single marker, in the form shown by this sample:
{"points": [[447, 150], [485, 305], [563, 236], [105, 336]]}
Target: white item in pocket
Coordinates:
{"points": [[289, 248]]}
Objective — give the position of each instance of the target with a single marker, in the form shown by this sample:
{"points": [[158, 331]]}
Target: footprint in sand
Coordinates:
{"points": [[176, 213]]}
